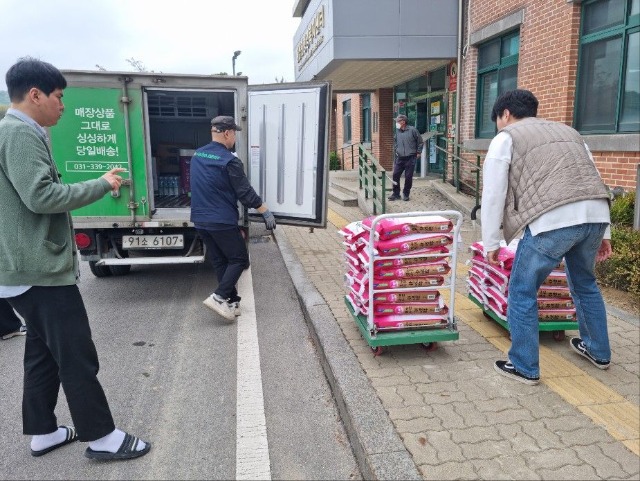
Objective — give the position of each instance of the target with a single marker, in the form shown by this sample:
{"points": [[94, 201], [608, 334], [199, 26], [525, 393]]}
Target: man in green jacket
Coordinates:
{"points": [[39, 272]]}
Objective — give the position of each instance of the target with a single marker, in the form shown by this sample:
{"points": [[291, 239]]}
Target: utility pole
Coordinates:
{"points": [[233, 61]]}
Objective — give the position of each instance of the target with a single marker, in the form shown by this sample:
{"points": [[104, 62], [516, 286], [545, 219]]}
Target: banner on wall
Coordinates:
{"points": [[453, 76]]}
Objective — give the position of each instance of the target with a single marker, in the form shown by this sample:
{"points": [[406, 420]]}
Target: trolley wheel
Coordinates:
{"points": [[377, 350], [485, 314], [558, 335], [430, 346]]}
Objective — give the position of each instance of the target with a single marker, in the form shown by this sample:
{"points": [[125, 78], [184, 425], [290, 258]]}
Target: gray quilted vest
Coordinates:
{"points": [[550, 167]]}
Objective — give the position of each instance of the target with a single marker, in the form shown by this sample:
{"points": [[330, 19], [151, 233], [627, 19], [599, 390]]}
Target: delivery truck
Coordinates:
{"points": [[150, 124]]}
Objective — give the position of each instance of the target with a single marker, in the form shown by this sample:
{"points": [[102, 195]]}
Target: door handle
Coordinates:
{"points": [[124, 182]]}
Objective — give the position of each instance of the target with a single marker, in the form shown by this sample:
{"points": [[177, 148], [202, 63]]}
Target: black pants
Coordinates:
{"points": [[229, 257], [59, 350], [406, 165], [9, 322]]}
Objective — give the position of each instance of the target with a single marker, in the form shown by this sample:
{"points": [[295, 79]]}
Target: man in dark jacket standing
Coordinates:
{"points": [[407, 148], [218, 183]]}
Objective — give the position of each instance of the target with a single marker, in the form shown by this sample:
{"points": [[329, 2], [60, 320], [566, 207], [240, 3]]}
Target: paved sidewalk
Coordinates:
{"points": [[446, 414]]}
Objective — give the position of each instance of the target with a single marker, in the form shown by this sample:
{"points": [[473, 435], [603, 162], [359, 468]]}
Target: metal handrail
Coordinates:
{"points": [[352, 151], [454, 151], [372, 179]]}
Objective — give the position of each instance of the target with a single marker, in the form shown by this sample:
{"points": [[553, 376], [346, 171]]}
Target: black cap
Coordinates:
{"points": [[224, 122], [402, 117]]}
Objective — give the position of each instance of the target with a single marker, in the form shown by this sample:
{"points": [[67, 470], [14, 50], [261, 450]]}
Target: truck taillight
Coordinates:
{"points": [[83, 240]]}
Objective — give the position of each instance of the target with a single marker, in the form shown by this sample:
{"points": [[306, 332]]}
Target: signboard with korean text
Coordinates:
{"points": [[91, 139]]}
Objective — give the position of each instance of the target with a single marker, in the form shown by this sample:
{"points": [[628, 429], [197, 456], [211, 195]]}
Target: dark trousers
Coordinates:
{"points": [[406, 165], [9, 322], [229, 256], [59, 350]]}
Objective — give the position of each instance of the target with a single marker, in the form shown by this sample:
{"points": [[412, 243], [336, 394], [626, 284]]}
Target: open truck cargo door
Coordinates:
{"points": [[288, 135]]}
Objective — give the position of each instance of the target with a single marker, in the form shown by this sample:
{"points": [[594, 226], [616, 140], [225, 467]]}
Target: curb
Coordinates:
{"points": [[379, 451]]}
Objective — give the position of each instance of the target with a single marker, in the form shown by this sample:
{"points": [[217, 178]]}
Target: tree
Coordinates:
{"points": [[137, 64]]}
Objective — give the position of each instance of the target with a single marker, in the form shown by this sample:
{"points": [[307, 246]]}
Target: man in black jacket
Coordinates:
{"points": [[218, 183]]}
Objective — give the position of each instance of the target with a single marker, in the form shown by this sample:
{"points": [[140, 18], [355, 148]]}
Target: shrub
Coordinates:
{"points": [[622, 269], [334, 161], [622, 209]]}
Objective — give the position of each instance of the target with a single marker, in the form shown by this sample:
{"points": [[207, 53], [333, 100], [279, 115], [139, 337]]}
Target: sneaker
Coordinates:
{"points": [[394, 197], [221, 306], [405, 198], [578, 346], [506, 369], [236, 308], [22, 331]]}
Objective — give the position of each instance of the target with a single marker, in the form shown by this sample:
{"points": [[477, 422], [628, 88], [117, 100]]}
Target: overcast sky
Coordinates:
{"points": [[186, 36]]}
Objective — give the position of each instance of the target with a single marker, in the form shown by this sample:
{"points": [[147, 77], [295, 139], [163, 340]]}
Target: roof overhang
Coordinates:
{"points": [[368, 75]]}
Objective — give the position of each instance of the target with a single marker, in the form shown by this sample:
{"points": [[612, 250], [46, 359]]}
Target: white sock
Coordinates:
{"points": [[112, 442], [44, 441]]}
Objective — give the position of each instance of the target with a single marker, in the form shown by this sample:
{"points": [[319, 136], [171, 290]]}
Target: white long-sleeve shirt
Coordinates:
{"points": [[495, 178]]}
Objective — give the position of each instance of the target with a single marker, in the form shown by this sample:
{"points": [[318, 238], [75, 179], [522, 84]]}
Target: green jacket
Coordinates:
{"points": [[37, 244]]}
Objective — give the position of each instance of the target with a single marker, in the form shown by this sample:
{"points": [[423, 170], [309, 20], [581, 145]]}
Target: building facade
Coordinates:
{"points": [[581, 59]]}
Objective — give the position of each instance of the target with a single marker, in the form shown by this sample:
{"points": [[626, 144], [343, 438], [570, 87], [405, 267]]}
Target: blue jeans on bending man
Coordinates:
{"points": [[536, 257]]}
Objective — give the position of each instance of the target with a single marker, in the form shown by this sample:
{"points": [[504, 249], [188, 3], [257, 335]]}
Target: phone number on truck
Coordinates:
{"points": [[93, 166]]}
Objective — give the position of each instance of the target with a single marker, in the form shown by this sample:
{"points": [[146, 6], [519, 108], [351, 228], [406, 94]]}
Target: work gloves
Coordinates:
{"points": [[269, 219]]}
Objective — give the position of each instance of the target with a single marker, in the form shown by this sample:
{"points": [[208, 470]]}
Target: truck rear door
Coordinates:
{"points": [[288, 135], [91, 138]]}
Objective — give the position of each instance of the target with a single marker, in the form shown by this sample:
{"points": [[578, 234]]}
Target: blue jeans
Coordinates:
{"points": [[535, 258]]}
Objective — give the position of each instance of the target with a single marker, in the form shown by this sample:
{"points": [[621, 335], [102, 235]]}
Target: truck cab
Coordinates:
{"points": [[150, 124]]}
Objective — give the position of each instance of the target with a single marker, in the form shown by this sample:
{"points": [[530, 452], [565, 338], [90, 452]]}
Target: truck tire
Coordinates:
{"points": [[120, 270], [99, 271]]}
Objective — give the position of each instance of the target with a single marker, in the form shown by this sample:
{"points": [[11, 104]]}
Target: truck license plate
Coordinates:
{"points": [[175, 241]]}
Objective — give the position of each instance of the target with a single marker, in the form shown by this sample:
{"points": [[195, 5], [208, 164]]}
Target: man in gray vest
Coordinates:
{"points": [[539, 179], [407, 148]]}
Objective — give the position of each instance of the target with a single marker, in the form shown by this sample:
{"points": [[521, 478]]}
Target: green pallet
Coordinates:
{"points": [[542, 325], [404, 336]]}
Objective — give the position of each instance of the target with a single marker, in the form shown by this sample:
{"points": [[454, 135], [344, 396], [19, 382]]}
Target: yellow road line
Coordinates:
{"points": [[601, 404]]}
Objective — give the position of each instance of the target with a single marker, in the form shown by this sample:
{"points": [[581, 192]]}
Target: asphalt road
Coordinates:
{"points": [[169, 368]]}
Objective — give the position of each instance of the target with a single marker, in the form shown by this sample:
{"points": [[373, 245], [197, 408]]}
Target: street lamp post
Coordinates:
{"points": [[233, 61]]}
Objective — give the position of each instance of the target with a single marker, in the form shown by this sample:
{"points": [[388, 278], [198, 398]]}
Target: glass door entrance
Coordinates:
{"points": [[437, 123]]}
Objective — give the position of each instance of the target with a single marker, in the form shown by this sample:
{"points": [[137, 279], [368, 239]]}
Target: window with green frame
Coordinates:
{"points": [[365, 102], [608, 87], [497, 73], [346, 121]]}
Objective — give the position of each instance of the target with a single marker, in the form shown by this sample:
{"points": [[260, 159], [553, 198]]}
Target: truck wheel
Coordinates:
{"points": [[99, 271], [120, 270]]}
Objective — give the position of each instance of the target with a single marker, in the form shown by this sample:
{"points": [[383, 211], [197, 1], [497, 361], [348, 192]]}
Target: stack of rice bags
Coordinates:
{"points": [[421, 246], [489, 285]]}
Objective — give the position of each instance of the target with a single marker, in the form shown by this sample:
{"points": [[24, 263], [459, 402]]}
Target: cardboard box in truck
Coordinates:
{"points": [[150, 124]]}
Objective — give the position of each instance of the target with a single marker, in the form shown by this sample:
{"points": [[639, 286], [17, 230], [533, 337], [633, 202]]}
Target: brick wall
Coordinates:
{"points": [[548, 62], [382, 103], [347, 153]]}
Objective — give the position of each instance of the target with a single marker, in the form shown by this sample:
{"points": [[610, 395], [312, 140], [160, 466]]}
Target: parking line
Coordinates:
{"points": [[252, 448]]}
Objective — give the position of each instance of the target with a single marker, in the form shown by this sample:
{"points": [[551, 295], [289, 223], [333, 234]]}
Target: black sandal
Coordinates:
{"points": [[125, 451], [71, 437]]}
